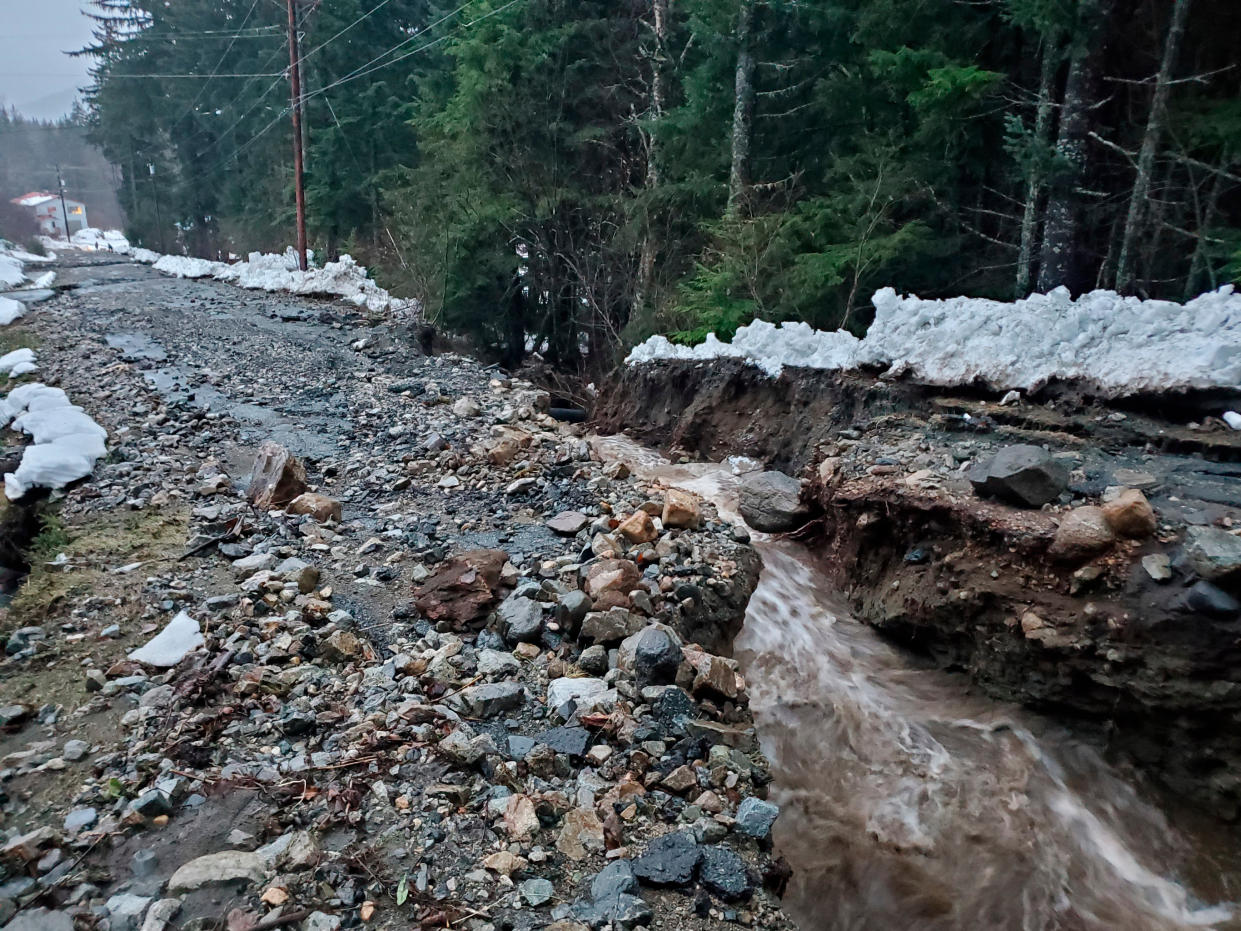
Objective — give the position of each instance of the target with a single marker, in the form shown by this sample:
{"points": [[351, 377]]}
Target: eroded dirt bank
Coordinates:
{"points": [[1140, 656]]}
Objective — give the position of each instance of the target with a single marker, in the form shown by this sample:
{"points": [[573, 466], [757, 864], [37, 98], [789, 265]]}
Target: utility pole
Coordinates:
{"points": [[159, 216], [64, 211], [299, 191]]}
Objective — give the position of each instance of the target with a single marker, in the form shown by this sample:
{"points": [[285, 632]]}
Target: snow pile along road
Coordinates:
{"points": [[96, 240], [67, 442], [344, 278], [1123, 345], [10, 310], [13, 276]]}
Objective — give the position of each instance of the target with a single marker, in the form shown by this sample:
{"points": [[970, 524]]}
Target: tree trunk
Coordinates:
{"points": [[1034, 188], [743, 110], [1150, 143], [1057, 265], [646, 258]]}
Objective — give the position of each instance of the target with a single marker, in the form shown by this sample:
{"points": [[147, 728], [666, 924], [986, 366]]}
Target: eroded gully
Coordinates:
{"points": [[908, 803]]}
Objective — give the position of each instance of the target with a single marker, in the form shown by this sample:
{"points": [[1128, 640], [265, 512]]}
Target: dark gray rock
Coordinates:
{"points": [[725, 874], [521, 619], [594, 660], [23, 639], [672, 705], [574, 741], [671, 860], [1213, 553], [151, 804], [571, 608], [771, 502], [1211, 600], [519, 746], [1022, 474], [755, 817], [656, 657], [486, 701], [612, 899]]}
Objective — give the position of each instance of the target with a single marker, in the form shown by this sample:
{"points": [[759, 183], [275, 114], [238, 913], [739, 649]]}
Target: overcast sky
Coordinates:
{"points": [[36, 75]]}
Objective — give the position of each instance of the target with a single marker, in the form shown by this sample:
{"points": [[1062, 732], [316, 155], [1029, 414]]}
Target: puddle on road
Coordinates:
{"points": [[30, 295], [136, 347]]}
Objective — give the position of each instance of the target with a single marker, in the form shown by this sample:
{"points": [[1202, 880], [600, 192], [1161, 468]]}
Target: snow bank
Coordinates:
{"points": [[184, 267], [96, 240], [67, 442], [145, 256], [1123, 345], [10, 310], [768, 346], [344, 278]]}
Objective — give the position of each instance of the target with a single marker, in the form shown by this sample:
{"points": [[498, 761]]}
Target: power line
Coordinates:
{"points": [[219, 64]]}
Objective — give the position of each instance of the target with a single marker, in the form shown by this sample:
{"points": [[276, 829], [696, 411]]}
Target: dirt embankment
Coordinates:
{"points": [[1145, 655]]}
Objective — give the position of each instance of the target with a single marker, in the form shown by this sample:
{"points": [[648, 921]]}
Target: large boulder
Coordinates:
{"points": [[1024, 475], [771, 502], [463, 588], [277, 478]]}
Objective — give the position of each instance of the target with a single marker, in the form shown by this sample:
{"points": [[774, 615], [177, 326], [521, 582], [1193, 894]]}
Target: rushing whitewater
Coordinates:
{"points": [[908, 804]]}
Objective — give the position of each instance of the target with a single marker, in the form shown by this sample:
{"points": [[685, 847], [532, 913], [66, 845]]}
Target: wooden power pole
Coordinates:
{"points": [[295, 79]]}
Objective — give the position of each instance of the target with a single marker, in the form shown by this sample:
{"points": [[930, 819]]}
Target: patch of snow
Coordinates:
{"points": [[344, 278], [1233, 419], [10, 310], [67, 442], [97, 240], [11, 274], [185, 267], [23, 359], [146, 256], [1124, 345], [172, 644], [44, 281]]}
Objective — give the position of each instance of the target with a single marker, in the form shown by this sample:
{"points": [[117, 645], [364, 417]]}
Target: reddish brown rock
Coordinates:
{"points": [[277, 478], [638, 528], [320, 507], [681, 509], [1129, 514], [1083, 532], [463, 588], [611, 575]]}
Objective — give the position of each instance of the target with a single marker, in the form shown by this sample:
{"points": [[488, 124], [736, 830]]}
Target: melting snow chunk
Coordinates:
{"points": [[10, 310], [67, 442], [17, 362], [172, 644]]}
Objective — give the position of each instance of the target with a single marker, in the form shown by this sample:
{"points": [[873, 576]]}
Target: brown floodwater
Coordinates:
{"points": [[910, 802]]}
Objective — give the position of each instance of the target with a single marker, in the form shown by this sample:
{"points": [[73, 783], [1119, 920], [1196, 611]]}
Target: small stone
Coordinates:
{"points": [[638, 528], [74, 750], [520, 819], [1158, 566], [341, 646], [1211, 600], [611, 575], [489, 700], [536, 892], [318, 507], [521, 619], [580, 834], [1083, 532], [755, 817], [79, 819], [680, 780], [126, 910], [657, 656], [214, 869], [1129, 514], [151, 804], [568, 523]]}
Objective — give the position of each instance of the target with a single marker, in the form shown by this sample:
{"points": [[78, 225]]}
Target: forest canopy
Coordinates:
{"points": [[575, 174]]}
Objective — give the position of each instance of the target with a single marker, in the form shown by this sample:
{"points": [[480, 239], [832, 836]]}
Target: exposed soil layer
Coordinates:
{"points": [[968, 582]]}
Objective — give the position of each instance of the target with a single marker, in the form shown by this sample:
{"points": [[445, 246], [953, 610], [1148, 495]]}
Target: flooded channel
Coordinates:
{"points": [[909, 803]]}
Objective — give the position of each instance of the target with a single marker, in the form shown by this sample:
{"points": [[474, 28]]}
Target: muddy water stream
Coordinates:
{"points": [[909, 803]]}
